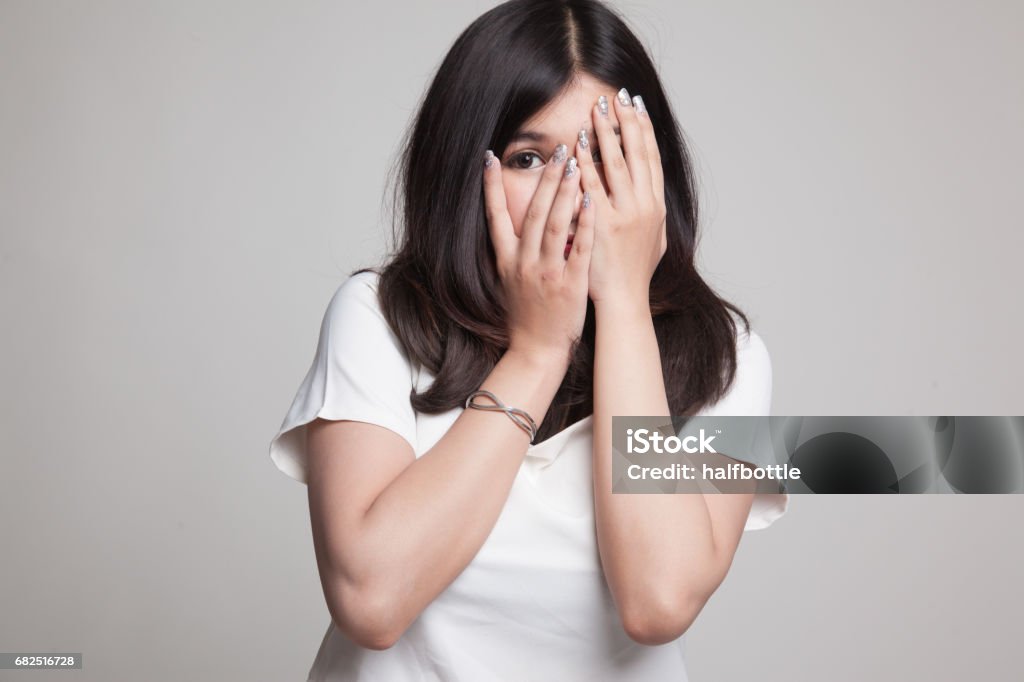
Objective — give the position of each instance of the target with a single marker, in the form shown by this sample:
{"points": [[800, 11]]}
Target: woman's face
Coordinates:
{"points": [[523, 160]]}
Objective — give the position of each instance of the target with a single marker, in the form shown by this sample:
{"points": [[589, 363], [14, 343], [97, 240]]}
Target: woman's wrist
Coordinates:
{"points": [[623, 306], [527, 379], [546, 359]]}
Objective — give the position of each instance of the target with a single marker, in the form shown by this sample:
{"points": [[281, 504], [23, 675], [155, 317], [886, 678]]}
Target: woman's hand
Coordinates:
{"points": [[545, 292], [629, 237]]}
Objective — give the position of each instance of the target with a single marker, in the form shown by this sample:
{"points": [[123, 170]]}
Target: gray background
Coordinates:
{"points": [[183, 185]]}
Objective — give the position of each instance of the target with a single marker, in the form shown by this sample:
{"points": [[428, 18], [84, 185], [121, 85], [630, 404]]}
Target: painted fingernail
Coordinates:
{"points": [[488, 158], [570, 168], [602, 105], [586, 199], [584, 142], [638, 103], [561, 151], [624, 97]]}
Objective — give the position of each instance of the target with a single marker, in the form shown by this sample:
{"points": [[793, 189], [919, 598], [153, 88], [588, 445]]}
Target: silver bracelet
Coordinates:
{"points": [[520, 417]]}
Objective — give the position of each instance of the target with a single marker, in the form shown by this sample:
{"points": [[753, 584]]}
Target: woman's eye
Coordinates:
{"points": [[524, 160]]}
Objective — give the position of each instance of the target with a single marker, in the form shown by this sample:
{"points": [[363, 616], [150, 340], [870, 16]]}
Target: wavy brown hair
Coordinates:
{"points": [[440, 290]]}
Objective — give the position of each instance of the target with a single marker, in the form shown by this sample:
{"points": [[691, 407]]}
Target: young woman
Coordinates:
{"points": [[547, 258]]}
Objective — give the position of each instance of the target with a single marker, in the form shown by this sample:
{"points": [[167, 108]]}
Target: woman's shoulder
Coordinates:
{"points": [[359, 284], [356, 296], [355, 327], [751, 387], [354, 322], [751, 349]]}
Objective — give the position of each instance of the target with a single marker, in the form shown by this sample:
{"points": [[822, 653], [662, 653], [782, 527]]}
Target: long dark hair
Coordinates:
{"points": [[440, 291]]}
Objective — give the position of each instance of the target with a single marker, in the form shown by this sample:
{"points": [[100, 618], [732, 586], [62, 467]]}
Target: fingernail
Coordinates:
{"points": [[586, 199], [638, 103], [602, 105], [488, 158], [570, 168], [584, 142], [624, 97], [561, 151]]}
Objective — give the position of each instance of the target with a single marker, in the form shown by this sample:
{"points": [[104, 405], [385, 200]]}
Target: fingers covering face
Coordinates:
{"points": [[499, 223], [577, 267], [636, 153], [632, 172], [538, 221], [590, 180], [657, 177], [634, 169], [545, 227]]}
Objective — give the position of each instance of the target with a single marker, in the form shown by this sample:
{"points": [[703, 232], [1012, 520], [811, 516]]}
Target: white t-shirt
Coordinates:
{"points": [[533, 603]]}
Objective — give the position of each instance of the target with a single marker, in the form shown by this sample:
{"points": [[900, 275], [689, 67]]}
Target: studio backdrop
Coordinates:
{"points": [[184, 185]]}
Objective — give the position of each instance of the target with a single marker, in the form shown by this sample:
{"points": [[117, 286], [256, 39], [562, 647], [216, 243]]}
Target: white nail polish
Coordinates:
{"points": [[638, 104]]}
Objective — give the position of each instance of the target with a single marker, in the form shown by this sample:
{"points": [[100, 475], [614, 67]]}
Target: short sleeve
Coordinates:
{"points": [[359, 373], [751, 394]]}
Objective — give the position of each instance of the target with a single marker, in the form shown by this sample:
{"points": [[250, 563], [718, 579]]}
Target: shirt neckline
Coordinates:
{"points": [[547, 449]]}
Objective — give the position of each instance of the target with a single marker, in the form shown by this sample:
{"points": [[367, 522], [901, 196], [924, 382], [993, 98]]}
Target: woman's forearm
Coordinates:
{"points": [[658, 551], [428, 524]]}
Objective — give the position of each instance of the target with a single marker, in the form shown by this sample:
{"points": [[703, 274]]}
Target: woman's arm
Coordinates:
{"points": [[392, 531], [663, 555]]}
